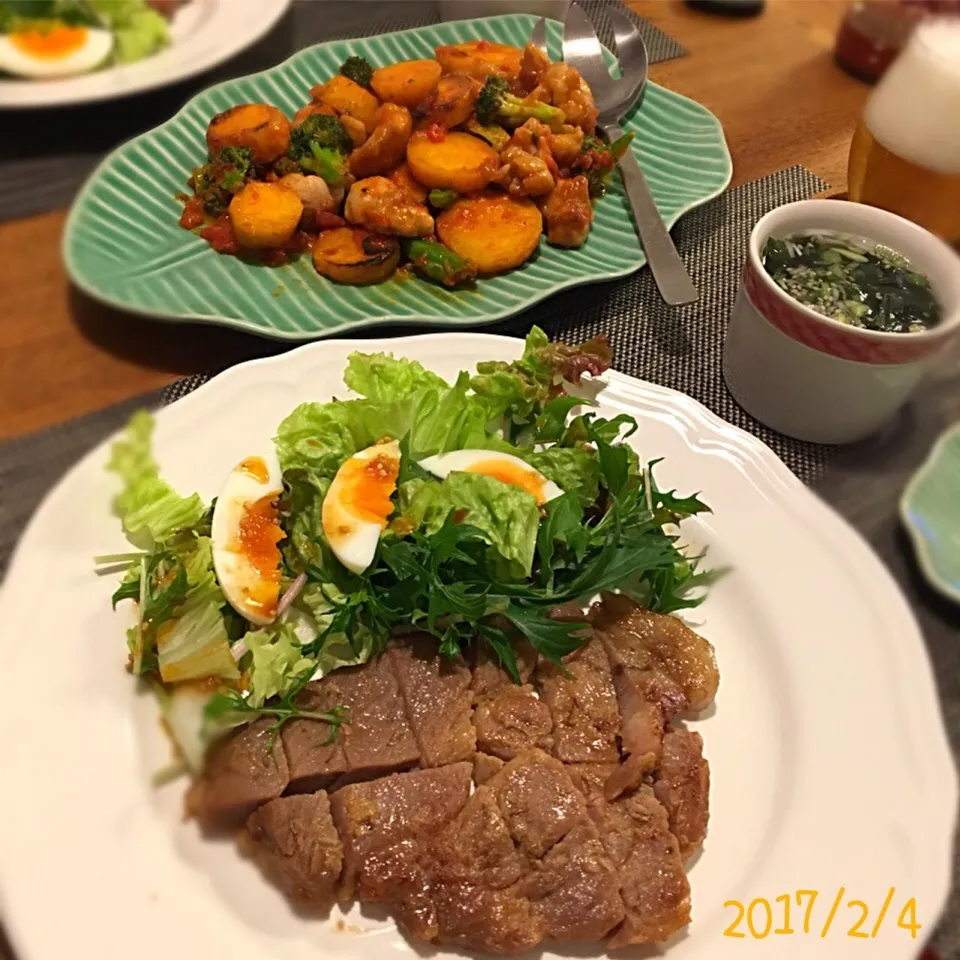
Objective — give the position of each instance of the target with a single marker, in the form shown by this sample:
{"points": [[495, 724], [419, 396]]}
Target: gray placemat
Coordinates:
{"points": [[45, 155]]}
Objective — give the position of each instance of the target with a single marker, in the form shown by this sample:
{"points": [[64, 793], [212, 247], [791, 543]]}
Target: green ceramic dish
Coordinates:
{"points": [[122, 244], [930, 509]]}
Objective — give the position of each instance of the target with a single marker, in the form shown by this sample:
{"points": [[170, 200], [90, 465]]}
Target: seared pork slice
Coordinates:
{"points": [[484, 767], [244, 770], [642, 641], [583, 705], [538, 801], [383, 825], [521, 863], [375, 739], [512, 719], [437, 699], [682, 785], [575, 888], [653, 885], [296, 845]]}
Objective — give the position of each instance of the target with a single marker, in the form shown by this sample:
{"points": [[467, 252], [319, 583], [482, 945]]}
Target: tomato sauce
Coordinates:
{"points": [[193, 215]]}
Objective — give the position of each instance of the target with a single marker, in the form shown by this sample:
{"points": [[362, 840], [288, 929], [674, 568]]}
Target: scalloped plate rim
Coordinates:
{"points": [[921, 544], [247, 326]]}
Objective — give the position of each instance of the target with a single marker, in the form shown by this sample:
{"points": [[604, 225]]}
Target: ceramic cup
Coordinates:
{"points": [[468, 9], [815, 378]]}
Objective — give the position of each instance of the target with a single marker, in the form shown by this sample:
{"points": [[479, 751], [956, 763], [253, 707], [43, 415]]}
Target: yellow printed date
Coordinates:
{"points": [[805, 911]]}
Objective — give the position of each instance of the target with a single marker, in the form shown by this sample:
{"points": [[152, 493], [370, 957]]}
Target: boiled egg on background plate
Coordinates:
{"points": [[245, 534], [48, 52], [491, 463], [357, 505]]}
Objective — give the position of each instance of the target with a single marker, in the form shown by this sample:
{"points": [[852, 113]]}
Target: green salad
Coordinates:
{"points": [[45, 39], [466, 510]]}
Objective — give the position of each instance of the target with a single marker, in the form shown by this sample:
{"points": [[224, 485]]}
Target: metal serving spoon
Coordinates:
{"points": [[614, 97]]}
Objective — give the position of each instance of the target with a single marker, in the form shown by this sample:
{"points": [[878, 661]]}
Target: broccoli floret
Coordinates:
{"points": [[496, 103], [598, 159], [320, 130], [223, 176], [320, 145], [358, 70]]}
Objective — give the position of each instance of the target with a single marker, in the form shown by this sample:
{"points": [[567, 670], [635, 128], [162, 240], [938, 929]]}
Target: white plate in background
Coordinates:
{"points": [[204, 33], [829, 761]]}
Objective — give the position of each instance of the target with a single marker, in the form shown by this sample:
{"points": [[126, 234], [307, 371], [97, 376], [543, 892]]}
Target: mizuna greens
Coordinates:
{"points": [[468, 559]]}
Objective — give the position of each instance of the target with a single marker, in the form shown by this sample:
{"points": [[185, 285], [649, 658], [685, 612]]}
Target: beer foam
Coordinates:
{"points": [[915, 110]]}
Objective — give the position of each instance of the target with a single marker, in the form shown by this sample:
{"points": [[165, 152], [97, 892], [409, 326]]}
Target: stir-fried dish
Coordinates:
{"points": [[425, 588], [452, 167]]}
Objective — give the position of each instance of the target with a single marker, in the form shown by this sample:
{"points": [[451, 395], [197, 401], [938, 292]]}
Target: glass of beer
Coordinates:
{"points": [[905, 155]]}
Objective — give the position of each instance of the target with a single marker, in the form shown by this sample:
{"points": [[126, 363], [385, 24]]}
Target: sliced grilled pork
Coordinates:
{"points": [[294, 841], [383, 825], [437, 699], [682, 785], [375, 740], [660, 668], [244, 770], [583, 705]]}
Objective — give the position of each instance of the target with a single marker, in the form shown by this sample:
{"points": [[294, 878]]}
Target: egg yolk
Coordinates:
{"points": [[258, 536], [59, 41], [366, 488], [516, 476], [256, 467]]}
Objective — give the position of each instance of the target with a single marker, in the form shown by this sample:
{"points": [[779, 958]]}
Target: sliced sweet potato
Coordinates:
{"points": [[407, 83], [495, 231], [457, 161], [480, 59], [450, 104], [264, 215], [348, 98], [355, 256], [259, 126]]}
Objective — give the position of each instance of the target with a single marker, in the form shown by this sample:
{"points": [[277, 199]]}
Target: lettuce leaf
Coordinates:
{"points": [[506, 516], [193, 644], [316, 436], [138, 29], [573, 469], [147, 504], [277, 662], [381, 377]]}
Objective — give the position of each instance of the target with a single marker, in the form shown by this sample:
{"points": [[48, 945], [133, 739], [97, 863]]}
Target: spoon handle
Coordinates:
{"points": [[669, 273]]}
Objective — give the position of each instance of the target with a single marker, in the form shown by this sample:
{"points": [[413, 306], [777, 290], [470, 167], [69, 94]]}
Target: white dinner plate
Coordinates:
{"points": [[829, 762], [204, 33]]}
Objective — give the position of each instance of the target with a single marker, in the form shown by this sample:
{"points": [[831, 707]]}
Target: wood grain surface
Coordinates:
{"points": [[771, 81]]}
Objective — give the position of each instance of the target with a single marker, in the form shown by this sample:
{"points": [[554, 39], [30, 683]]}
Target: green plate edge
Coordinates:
{"points": [[930, 511], [698, 169]]}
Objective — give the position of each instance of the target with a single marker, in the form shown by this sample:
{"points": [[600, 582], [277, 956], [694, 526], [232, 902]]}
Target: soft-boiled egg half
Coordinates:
{"points": [[245, 535], [491, 463], [357, 505], [45, 53]]}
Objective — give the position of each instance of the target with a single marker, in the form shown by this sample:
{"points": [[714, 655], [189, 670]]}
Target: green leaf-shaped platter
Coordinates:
{"points": [[122, 244]]}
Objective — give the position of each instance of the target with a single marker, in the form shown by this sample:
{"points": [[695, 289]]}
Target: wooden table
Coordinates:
{"points": [[771, 81]]}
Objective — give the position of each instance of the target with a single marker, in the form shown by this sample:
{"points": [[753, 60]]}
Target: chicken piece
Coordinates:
{"points": [[356, 131], [386, 146], [533, 65], [403, 178], [382, 207], [313, 192], [524, 174], [569, 213], [566, 146], [562, 86]]}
